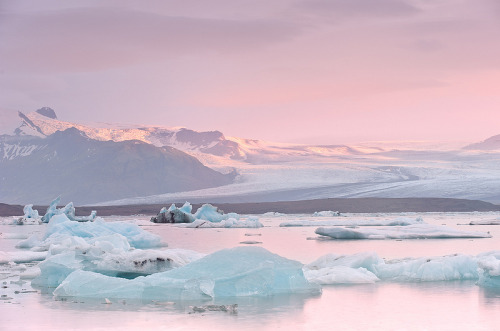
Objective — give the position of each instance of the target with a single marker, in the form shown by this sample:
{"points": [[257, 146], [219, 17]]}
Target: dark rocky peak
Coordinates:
{"points": [[47, 112]]}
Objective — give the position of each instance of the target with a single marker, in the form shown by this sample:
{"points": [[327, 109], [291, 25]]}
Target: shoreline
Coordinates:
{"points": [[343, 205]]}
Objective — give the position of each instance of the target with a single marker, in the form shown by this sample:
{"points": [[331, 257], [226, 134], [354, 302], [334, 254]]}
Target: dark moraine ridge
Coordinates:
{"points": [[343, 205]]}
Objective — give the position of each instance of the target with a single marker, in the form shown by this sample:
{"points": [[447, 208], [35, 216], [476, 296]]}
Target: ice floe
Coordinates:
{"points": [[369, 268], [207, 216], [251, 222], [108, 255], [240, 271], [21, 256], [326, 213], [485, 222], [415, 231], [68, 210], [489, 263], [60, 228], [402, 221]]}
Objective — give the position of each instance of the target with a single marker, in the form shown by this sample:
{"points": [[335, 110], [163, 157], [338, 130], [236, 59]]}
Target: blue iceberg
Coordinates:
{"points": [[240, 271]]}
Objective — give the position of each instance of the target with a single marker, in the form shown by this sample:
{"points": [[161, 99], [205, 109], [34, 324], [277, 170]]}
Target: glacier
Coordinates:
{"points": [[414, 231], [235, 272]]}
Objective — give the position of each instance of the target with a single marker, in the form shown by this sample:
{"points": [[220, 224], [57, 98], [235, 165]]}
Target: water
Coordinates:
{"points": [[457, 305]]}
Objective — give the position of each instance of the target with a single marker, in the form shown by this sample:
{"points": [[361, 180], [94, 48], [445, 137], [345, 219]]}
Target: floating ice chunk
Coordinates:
{"points": [[209, 213], [273, 214], [60, 228], [415, 231], [251, 222], [110, 255], [486, 222], [174, 214], [368, 267], [360, 260], [68, 210], [326, 213], [5, 235], [401, 221], [340, 275], [30, 216], [241, 271], [489, 263], [445, 268], [21, 257]]}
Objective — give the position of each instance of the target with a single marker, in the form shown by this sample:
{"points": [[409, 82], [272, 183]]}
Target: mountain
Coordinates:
{"points": [[267, 171], [492, 143], [211, 147], [85, 170]]}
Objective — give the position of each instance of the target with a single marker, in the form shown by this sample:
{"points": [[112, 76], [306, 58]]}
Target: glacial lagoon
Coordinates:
{"points": [[383, 304]]}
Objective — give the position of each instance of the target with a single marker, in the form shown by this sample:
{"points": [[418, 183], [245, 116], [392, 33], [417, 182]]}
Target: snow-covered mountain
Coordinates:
{"points": [[278, 171], [490, 144], [36, 167]]}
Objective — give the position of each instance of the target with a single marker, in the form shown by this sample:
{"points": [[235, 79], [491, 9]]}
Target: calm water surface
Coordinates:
{"points": [[382, 306]]}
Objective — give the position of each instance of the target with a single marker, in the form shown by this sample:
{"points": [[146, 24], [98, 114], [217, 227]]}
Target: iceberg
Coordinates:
{"points": [[251, 222], [415, 231], [206, 212], [174, 214], [21, 257], [109, 255], [68, 210], [489, 263], [61, 227], [213, 214], [401, 221], [326, 213], [30, 216], [369, 268], [339, 269], [485, 222], [240, 271]]}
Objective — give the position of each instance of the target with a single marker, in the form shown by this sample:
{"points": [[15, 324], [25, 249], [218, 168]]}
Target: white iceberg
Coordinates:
{"points": [[211, 213], [401, 221], [251, 222], [60, 228], [369, 268], [326, 213], [68, 210], [241, 271], [30, 216], [109, 255], [489, 263], [21, 257], [343, 269], [415, 231]]}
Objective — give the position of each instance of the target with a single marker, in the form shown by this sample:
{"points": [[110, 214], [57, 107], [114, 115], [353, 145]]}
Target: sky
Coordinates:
{"points": [[317, 71]]}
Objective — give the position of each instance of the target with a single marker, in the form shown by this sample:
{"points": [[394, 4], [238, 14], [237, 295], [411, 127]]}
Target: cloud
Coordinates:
{"points": [[345, 9], [96, 38]]}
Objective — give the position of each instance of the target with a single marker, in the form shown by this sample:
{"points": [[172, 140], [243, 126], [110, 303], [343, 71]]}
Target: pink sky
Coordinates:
{"points": [[317, 71]]}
